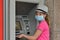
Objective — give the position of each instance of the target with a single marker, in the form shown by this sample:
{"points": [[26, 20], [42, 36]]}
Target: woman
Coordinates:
{"points": [[42, 30]]}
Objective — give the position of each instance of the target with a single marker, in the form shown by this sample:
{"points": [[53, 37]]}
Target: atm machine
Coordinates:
{"points": [[25, 18]]}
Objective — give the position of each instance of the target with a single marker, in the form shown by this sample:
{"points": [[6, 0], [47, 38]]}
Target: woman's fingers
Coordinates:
{"points": [[17, 36], [20, 36]]}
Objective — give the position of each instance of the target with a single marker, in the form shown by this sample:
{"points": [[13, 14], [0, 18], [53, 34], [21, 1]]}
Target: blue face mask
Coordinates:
{"points": [[39, 18]]}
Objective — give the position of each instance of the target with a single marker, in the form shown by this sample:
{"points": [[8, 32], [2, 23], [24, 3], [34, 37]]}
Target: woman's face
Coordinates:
{"points": [[40, 14]]}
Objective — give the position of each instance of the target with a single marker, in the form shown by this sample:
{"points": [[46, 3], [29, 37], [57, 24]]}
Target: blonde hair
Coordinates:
{"points": [[47, 19]]}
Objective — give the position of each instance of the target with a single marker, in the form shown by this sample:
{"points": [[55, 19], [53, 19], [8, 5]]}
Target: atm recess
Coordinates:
{"points": [[23, 8]]}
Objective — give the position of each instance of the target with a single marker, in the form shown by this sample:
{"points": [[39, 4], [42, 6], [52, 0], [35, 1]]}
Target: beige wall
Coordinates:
{"points": [[57, 19], [54, 13]]}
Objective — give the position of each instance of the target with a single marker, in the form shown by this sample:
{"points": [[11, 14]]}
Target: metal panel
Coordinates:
{"points": [[12, 20], [6, 20], [29, 1]]}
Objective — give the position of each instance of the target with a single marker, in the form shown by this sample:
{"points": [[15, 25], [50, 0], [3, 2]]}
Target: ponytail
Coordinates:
{"points": [[47, 19]]}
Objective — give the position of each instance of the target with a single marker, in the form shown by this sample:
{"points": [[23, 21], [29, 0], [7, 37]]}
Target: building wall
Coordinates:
{"points": [[54, 13], [57, 19]]}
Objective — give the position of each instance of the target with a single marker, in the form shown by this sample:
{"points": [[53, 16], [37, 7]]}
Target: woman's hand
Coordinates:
{"points": [[26, 36], [20, 36]]}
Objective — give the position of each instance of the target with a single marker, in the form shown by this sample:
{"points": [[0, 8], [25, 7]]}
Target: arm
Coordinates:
{"points": [[34, 37], [37, 33]]}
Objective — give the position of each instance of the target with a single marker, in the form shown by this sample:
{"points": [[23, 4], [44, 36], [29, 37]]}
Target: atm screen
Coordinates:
{"points": [[18, 26]]}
